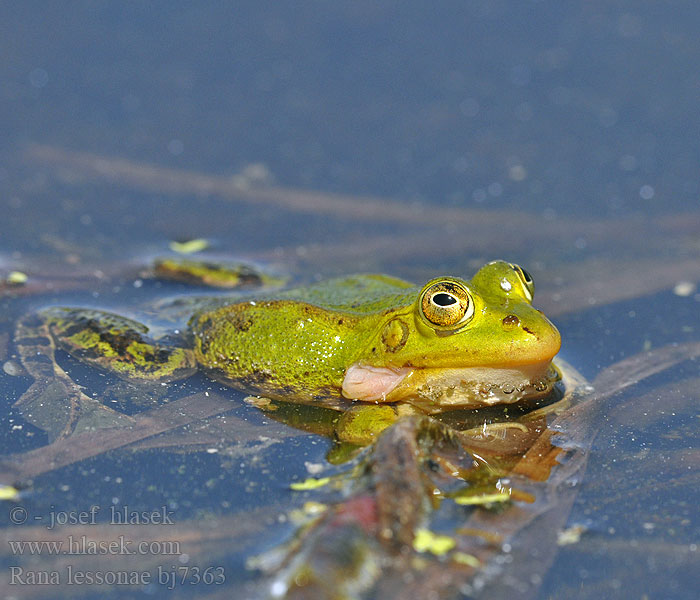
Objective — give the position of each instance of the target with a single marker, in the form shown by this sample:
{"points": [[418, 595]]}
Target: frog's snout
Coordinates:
{"points": [[543, 342], [533, 341]]}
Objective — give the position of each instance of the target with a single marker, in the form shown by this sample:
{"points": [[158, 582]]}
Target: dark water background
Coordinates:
{"points": [[574, 125]]}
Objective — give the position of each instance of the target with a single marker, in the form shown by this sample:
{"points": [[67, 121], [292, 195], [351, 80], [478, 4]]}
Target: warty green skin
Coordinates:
{"points": [[298, 343]]}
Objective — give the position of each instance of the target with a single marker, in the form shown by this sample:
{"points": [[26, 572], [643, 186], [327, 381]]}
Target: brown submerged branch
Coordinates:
{"points": [[510, 229], [158, 179]]}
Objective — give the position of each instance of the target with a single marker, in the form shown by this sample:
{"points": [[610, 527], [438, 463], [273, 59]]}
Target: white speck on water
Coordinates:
{"points": [[313, 468], [517, 173], [684, 288], [646, 192], [278, 589]]}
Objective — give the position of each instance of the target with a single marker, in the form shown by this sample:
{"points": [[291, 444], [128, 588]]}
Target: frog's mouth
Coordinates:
{"points": [[436, 390]]}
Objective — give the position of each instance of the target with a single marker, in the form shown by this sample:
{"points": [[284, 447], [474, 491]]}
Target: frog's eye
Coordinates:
{"points": [[526, 280], [446, 304]]}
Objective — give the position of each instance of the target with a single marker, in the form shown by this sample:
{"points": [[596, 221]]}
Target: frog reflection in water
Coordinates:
{"points": [[352, 342]]}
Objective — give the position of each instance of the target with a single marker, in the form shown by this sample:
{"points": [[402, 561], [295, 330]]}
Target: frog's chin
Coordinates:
{"points": [[436, 390]]}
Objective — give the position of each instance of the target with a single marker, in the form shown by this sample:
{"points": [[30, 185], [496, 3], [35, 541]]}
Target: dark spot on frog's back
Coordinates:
{"points": [[78, 327], [120, 342], [201, 326], [240, 321], [162, 355]]}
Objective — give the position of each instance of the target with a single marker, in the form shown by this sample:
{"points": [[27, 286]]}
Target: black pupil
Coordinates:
{"points": [[443, 299], [528, 277]]}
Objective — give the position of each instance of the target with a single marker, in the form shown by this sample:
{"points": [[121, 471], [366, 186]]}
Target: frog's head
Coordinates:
{"points": [[461, 344]]}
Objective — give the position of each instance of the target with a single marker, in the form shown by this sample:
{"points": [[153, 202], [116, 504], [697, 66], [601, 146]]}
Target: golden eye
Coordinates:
{"points": [[526, 280], [446, 304]]}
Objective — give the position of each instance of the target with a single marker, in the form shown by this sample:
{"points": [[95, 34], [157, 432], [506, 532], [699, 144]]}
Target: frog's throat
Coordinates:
{"points": [[434, 389]]}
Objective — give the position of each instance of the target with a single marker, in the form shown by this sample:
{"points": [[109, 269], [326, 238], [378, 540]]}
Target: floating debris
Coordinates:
{"points": [[309, 484], [427, 541], [9, 492], [189, 246], [572, 535], [466, 559], [16, 278], [684, 288]]}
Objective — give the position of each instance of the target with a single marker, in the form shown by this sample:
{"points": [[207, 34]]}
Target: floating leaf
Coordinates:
{"points": [[16, 278], [427, 541], [189, 246], [8, 492], [309, 484]]}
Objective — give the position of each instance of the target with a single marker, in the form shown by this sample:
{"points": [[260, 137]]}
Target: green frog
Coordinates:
{"points": [[346, 343]]}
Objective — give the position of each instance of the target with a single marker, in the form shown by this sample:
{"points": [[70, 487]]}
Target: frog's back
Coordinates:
{"points": [[301, 340], [357, 294]]}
